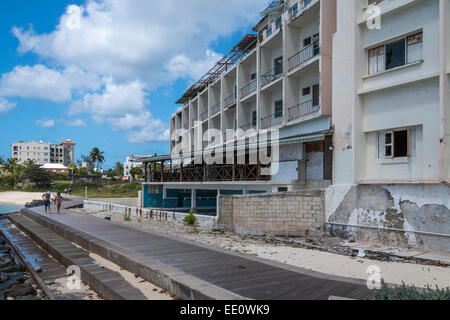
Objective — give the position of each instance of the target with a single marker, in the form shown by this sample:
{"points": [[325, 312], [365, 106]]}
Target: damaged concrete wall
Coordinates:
{"points": [[419, 214]]}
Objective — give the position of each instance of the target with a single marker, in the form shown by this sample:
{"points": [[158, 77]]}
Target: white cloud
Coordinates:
{"points": [[45, 123], [131, 39], [113, 100], [40, 82], [78, 123], [111, 54], [6, 105]]}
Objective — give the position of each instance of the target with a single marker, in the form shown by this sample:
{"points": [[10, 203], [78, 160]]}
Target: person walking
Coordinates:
{"points": [[66, 191], [46, 197], [58, 201], [70, 191]]}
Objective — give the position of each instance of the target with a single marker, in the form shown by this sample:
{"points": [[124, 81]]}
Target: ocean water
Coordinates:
{"points": [[9, 208]]}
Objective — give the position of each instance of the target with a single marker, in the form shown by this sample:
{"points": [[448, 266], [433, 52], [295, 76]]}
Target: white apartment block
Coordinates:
{"points": [[130, 163], [279, 79], [44, 152], [359, 91]]}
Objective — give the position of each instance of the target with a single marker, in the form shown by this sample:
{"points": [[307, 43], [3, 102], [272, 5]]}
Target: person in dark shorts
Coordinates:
{"points": [[46, 196], [70, 191]]}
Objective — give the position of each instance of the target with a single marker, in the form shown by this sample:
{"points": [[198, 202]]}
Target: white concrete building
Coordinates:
{"points": [[391, 108], [279, 79], [44, 152], [130, 163]]}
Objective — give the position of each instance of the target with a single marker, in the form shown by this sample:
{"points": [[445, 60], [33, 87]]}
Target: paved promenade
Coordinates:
{"points": [[197, 265]]}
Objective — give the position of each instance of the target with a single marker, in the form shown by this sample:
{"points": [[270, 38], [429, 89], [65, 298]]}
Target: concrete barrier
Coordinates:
{"points": [[207, 222]]}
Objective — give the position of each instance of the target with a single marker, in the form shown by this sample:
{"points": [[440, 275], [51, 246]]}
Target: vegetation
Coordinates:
{"points": [[118, 170], [405, 292], [97, 156], [34, 174], [190, 219]]}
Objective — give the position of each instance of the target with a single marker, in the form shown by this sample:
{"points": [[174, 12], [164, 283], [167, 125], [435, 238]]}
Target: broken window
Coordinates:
{"points": [[395, 144], [396, 54]]}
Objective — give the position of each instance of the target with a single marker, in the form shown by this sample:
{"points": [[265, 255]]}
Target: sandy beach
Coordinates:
{"points": [[19, 198]]}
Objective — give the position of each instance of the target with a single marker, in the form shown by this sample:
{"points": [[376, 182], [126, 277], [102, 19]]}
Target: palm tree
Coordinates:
{"points": [[11, 165], [97, 157], [2, 161], [88, 161], [119, 169], [30, 163]]}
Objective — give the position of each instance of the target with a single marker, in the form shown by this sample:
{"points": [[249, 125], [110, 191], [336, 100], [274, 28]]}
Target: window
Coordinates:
{"points": [[282, 189], [278, 64], [278, 23], [415, 47], [396, 144], [278, 108], [371, 2], [397, 53], [306, 91], [254, 119], [306, 42], [253, 76]]}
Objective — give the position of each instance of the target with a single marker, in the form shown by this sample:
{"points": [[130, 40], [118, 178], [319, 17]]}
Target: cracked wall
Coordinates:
{"points": [[364, 209]]}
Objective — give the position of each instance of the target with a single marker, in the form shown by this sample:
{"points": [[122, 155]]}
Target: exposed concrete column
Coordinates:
{"points": [[194, 200]]}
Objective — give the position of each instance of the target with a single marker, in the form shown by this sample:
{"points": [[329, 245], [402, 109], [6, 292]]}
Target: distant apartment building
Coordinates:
{"points": [[44, 152], [130, 163], [278, 80]]}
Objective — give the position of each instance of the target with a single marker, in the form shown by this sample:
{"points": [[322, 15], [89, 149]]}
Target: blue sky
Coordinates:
{"points": [[113, 67]]}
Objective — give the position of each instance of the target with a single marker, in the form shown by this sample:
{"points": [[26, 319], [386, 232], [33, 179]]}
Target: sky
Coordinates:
{"points": [[107, 73]]}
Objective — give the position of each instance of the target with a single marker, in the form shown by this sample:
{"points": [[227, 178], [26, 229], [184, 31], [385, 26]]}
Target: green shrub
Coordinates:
{"points": [[405, 292], [190, 219]]}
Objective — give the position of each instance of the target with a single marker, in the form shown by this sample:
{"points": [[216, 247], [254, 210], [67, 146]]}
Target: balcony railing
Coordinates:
{"points": [[248, 126], [303, 109], [269, 32], [178, 126], [271, 121], [248, 89], [204, 115], [272, 75], [194, 121], [298, 7], [304, 55], [215, 109], [278, 23], [186, 126], [229, 101]]}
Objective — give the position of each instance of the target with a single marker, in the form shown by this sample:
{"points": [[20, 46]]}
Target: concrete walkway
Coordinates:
{"points": [[191, 270]]}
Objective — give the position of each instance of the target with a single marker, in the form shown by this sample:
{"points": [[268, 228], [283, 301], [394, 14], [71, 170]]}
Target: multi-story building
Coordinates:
{"points": [[44, 152], [277, 82], [130, 163], [391, 115]]}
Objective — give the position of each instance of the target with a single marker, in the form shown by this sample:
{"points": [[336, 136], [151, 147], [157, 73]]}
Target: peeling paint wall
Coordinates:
{"points": [[414, 210]]}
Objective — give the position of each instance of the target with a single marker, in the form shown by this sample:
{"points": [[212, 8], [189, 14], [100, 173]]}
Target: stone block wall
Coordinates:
{"points": [[283, 214]]}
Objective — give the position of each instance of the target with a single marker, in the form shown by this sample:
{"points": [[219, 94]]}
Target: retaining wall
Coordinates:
{"points": [[283, 214], [208, 222]]}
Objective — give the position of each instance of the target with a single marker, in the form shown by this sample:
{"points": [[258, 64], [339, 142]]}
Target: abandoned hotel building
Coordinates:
{"points": [[357, 114]]}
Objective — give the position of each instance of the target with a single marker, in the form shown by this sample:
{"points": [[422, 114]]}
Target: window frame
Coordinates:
{"points": [[382, 46], [383, 135]]}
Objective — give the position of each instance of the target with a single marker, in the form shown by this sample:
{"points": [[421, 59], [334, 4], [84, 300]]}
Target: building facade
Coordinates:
{"points": [[130, 163], [278, 83], [391, 122], [44, 152]]}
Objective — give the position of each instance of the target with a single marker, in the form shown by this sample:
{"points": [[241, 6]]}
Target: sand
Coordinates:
{"points": [[19, 198], [328, 263]]}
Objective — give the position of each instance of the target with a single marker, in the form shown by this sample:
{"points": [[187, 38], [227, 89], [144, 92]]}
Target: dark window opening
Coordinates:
{"points": [[306, 91], [278, 108], [401, 144], [306, 42], [395, 54]]}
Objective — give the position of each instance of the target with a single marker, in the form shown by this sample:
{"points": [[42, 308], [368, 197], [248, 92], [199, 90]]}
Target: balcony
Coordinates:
{"points": [[298, 8], [186, 126], [269, 32], [215, 109], [194, 121], [271, 121], [229, 101], [248, 126], [204, 115], [304, 55], [248, 89], [303, 109], [178, 126], [272, 75]]}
